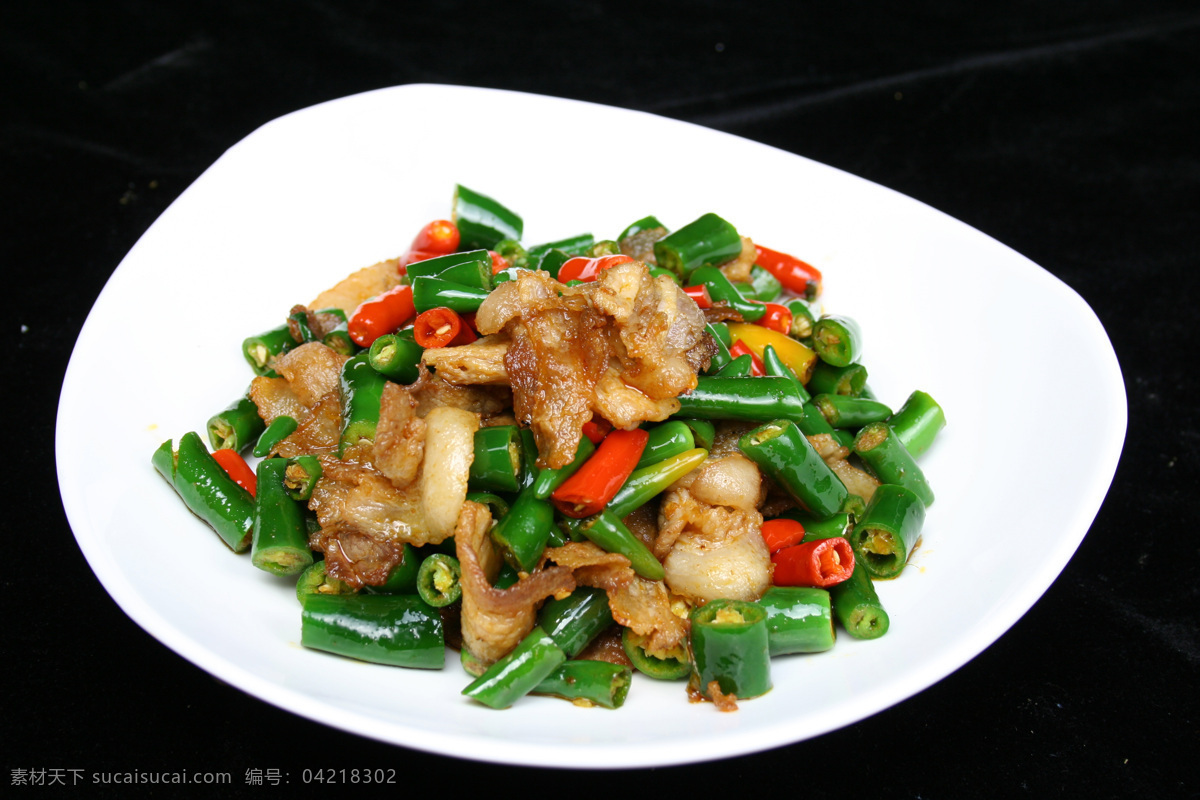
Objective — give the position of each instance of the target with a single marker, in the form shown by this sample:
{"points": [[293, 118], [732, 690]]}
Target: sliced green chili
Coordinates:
{"points": [[361, 391], [773, 366], [730, 645], [838, 341], [396, 357], [400, 630], [799, 619], [207, 490], [402, 579], [671, 668], [589, 683], [315, 581], [525, 529], [482, 221], [280, 428], [888, 532], [763, 285], [608, 532], [752, 399], [438, 580], [802, 319], [497, 464], [917, 422], [843, 411], [881, 450], [706, 241], [648, 482], [301, 475], [720, 288], [280, 543], [237, 427], [575, 620], [703, 432], [740, 367], [828, 379], [437, 293], [856, 605], [259, 350], [667, 439], [783, 453], [548, 479], [518, 673]]}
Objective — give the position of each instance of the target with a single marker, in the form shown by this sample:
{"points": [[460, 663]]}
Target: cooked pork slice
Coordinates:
{"points": [[731, 480], [711, 551], [312, 370], [431, 391], [644, 606], [495, 620], [399, 437], [274, 398], [626, 407], [449, 451], [359, 286], [480, 362], [317, 433]]}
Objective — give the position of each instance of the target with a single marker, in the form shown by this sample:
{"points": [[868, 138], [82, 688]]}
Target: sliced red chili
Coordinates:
{"points": [[756, 365], [438, 237], [582, 268], [441, 327], [236, 467], [499, 262], [596, 429], [782, 532], [380, 315], [588, 491], [777, 318], [821, 563], [798, 276], [700, 294]]}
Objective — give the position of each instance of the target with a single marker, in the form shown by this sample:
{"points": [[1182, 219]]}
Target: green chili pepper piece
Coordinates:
{"points": [[280, 428], [549, 479], [396, 357], [552, 261], [236, 427], [707, 241], [648, 482], [660, 669], [608, 532], [402, 579], [301, 475], [339, 340], [887, 533], [207, 490], [361, 390], [856, 606], [436, 267], [519, 672], [837, 341], [782, 452], [764, 286], [572, 246], [438, 580], [280, 544], [828, 379], [723, 357], [730, 645], [259, 350], [576, 619], [593, 682], [842, 411], [753, 399], [799, 620], [497, 505], [773, 366], [721, 288], [666, 439], [604, 247], [481, 221], [890, 460], [740, 367], [512, 252], [802, 319], [815, 527], [314, 581], [524, 531], [656, 271], [703, 432], [644, 224], [498, 459], [917, 422], [300, 320], [436, 293], [400, 630]]}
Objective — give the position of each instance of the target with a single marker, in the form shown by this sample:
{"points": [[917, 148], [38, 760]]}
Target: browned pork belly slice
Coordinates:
{"points": [[431, 391], [480, 362], [399, 437], [359, 286], [495, 620], [643, 606], [738, 269], [711, 551]]}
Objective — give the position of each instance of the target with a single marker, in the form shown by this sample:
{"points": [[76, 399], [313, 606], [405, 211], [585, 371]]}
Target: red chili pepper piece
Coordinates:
{"points": [[413, 256], [499, 262], [588, 491], [236, 467], [796, 275], [822, 563], [756, 365], [441, 327], [380, 315], [596, 429], [439, 237], [582, 268], [781, 533], [700, 294], [777, 318]]}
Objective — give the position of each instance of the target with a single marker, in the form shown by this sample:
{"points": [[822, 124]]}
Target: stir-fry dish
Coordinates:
{"points": [[569, 462]]}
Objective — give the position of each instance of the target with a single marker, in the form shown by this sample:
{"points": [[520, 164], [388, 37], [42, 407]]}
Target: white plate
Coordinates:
{"points": [[1017, 359]]}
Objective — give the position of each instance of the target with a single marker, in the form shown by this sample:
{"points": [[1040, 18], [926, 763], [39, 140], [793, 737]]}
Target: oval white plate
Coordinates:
{"points": [[312, 196]]}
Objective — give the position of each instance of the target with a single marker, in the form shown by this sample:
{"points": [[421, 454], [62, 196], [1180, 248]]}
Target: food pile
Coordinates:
{"points": [[569, 461]]}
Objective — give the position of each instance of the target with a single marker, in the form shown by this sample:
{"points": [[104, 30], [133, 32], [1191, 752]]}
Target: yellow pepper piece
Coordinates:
{"points": [[800, 358]]}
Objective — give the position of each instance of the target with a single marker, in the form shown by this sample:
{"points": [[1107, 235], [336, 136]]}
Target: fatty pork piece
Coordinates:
{"points": [[556, 355], [495, 620], [359, 286], [710, 532], [307, 391], [624, 346], [409, 487], [643, 606]]}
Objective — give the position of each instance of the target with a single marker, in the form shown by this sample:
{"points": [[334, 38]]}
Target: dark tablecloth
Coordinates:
{"points": [[1067, 131]]}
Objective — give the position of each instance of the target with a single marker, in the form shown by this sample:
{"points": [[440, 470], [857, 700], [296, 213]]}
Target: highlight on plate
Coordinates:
{"points": [[568, 462]]}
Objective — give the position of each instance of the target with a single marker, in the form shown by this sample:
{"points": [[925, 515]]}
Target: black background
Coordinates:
{"points": [[1065, 130]]}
